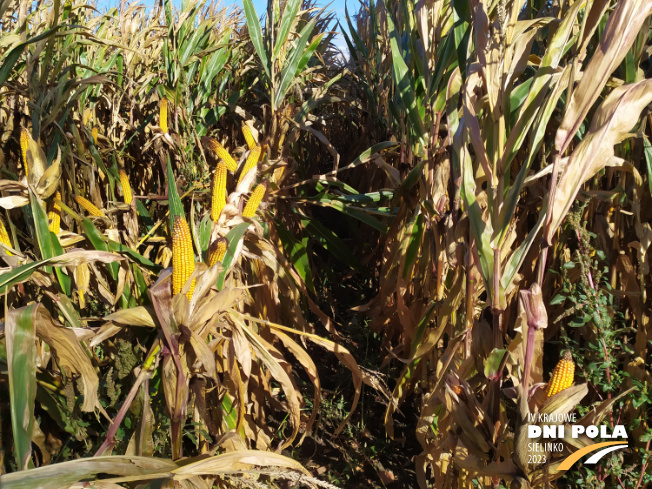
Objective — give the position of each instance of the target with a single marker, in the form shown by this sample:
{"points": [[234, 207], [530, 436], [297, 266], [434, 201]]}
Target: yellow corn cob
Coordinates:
{"points": [[219, 191], [254, 201], [278, 174], [86, 116], [89, 206], [217, 251], [163, 114], [251, 162], [4, 237], [223, 154], [249, 138], [54, 214], [24, 141], [183, 257], [126, 187], [94, 133], [562, 376]]}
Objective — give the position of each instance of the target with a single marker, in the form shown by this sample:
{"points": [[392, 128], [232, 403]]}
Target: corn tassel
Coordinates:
{"points": [[562, 376], [126, 187], [249, 137], [217, 251], [251, 162], [4, 237], [54, 214], [223, 154], [163, 114], [89, 206], [183, 257], [24, 143], [94, 133], [254, 201], [219, 191]]}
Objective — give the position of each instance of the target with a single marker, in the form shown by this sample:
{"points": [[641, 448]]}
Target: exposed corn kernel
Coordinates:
{"points": [[254, 201], [126, 187], [217, 251], [54, 214], [163, 114], [252, 161], [223, 154], [24, 143], [219, 191], [249, 137], [89, 206], [4, 237], [183, 257], [562, 376]]}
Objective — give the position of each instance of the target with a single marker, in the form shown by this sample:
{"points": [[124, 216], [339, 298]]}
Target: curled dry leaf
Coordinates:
{"points": [[70, 355], [613, 120]]}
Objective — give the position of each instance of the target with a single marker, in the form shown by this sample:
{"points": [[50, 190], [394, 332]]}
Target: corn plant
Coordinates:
{"points": [[496, 95]]}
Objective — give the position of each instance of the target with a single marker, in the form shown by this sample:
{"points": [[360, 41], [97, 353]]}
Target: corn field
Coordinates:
{"points": [[236, 255]]}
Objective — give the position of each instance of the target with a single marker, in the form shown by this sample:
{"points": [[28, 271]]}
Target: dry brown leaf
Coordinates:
{"points": [[70, 355]]}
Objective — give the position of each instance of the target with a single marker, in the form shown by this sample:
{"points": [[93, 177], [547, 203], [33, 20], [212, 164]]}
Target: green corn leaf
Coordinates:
{"points": [[20, 336], [174, 201], [405, 84], [359, 213], [14, 55], [330, 242], [297, 252], [18, 275], [289, 70], [563, 39], [515, 261], [289, 15], [64, 280], [480, 228], [256, 35], [144, 214], [359, 45], [413, 244], [414, 175], [445, 54], [134, 255], [307, 54], [515, 189], [322, 185], [204, 234], [233, 237], [42, 229], [99, 243], [68, 310]]}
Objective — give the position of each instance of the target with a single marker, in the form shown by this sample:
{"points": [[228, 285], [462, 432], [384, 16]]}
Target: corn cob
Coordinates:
{"points": [[54, 214], [223, 154], [219, 191], [126, 187], [24, 142], [89, 206], [251, 162], [254, 201], [183, 257], [163, 114], [94, 133], [217, 251], [562, 376], [4, 237], [249, 138]]}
